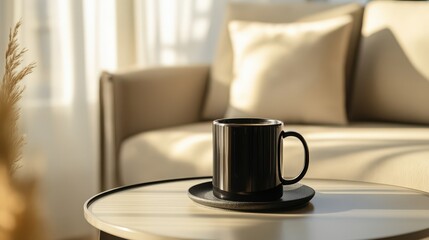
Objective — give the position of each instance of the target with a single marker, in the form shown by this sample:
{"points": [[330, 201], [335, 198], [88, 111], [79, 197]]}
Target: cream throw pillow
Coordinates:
{"points": [[292, 72]]}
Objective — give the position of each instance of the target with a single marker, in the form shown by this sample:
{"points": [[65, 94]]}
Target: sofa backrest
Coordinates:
{"points": [[221, 74], [392, 77]]}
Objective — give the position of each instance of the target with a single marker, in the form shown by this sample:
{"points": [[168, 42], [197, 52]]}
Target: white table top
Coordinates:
{"points": [[339, 210]]}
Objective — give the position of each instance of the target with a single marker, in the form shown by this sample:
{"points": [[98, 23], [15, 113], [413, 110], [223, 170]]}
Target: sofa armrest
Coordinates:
{"points": [[135, 101]]}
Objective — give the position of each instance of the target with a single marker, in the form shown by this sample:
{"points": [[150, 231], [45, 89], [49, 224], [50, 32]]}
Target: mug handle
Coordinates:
{"points": [[284, 134]]}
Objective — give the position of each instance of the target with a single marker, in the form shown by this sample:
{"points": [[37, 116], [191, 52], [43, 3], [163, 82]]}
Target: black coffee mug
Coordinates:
{"points": [[247, 159]]}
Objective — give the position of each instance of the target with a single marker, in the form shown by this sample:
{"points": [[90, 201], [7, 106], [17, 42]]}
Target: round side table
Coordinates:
{"points": [[339, 210]]}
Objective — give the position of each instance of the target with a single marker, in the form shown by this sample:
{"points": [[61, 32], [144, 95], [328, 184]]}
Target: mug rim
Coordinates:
{"points": [[247, 122]]}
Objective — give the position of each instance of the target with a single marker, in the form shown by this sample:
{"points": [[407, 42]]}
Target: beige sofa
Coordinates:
{"points": [[155, 123]]}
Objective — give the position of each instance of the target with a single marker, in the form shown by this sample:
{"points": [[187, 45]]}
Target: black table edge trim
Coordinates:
{"points": [[118, 189]]}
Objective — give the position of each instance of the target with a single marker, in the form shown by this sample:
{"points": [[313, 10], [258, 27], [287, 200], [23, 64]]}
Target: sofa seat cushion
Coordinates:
{"points": [[175, 152], [384, 153]]}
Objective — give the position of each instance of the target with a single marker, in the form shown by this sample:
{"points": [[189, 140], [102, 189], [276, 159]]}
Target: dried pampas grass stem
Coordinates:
{"points": [[11, 139]]}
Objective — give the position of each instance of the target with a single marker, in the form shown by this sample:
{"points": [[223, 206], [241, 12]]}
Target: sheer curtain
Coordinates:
{"points": [[72, 42], [177, 32]]}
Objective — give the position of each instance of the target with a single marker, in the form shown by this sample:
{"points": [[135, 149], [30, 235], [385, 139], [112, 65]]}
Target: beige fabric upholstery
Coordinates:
{"points": [[221, 76], [392, 82], [293, 72], [382, 153], [183, 151], [136, 101]]}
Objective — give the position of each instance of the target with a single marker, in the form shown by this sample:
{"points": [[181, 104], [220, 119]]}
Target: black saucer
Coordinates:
{"points": [[294, 196]]}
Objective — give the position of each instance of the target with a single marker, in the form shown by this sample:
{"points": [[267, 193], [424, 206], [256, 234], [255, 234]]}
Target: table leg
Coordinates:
{"points": [[105, 236]]}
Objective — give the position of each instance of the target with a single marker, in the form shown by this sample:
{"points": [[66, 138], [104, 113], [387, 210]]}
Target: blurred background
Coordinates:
{"points": [[72, 41]]}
